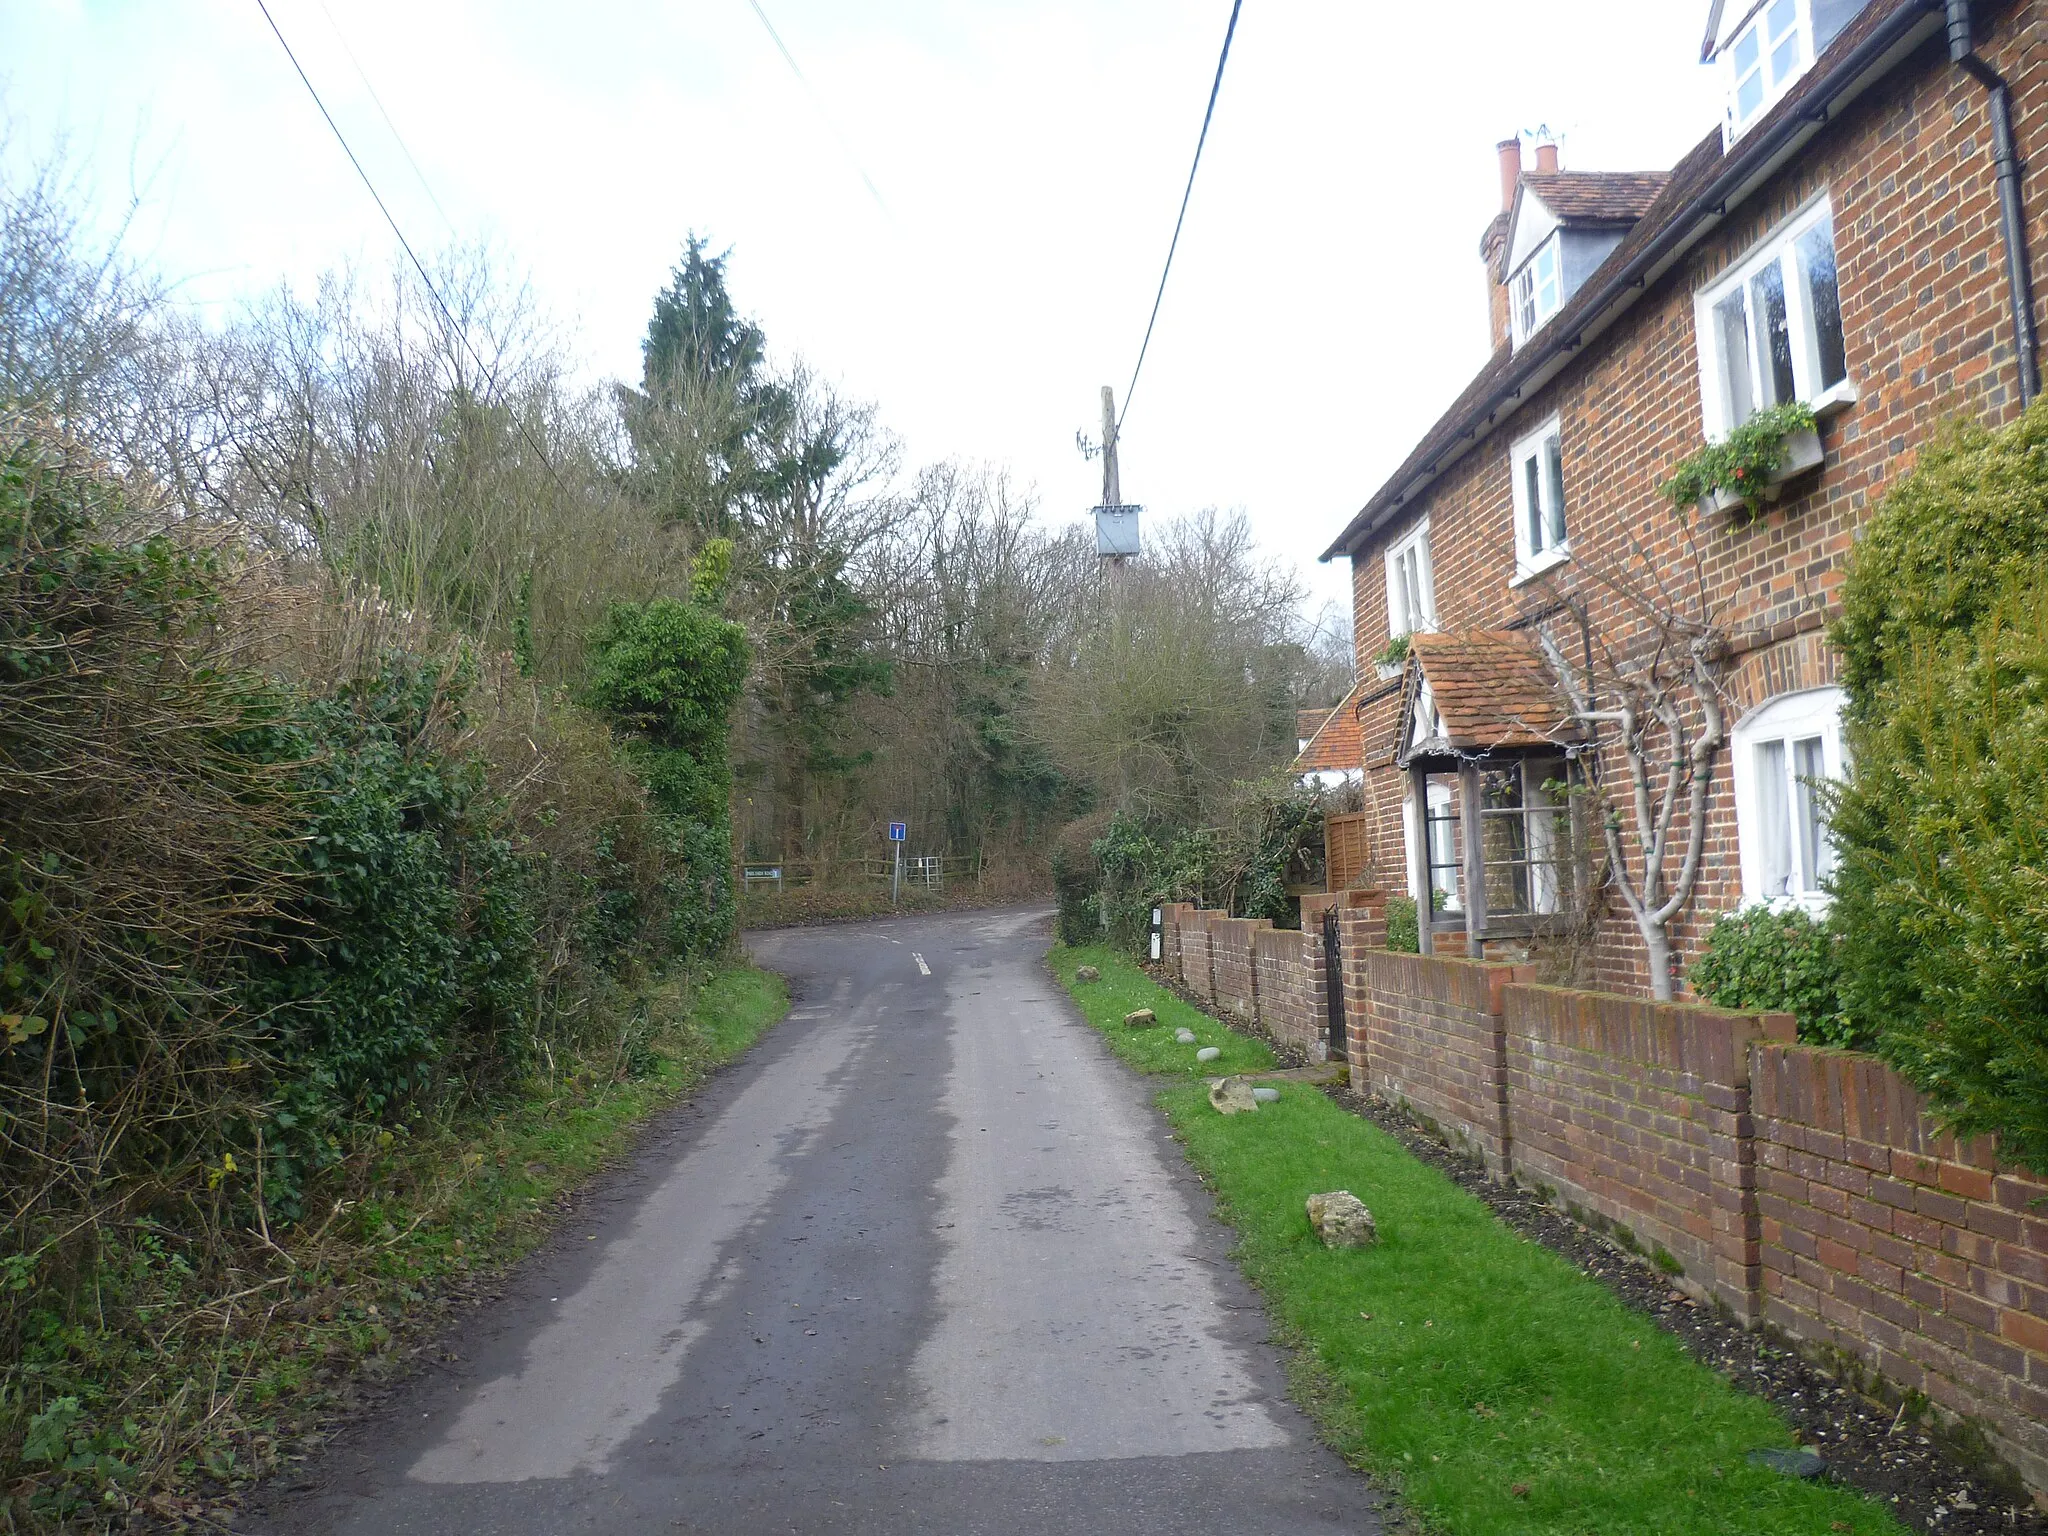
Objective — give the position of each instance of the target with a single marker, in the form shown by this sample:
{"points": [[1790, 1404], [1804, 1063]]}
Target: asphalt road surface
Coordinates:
{"points": [[925, 1261]]}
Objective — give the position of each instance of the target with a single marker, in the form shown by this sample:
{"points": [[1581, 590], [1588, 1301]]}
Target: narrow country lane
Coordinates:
{"points": [[924, 1262]]}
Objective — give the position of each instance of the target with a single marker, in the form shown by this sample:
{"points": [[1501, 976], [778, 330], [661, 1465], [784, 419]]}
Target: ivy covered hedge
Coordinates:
{"points": [[284, 875]]}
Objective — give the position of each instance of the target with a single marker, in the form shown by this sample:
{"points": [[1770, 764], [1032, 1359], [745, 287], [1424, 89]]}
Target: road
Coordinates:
{"points": [[926, 1261]]}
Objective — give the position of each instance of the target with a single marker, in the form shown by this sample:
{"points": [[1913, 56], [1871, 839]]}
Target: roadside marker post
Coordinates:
{"points": [[899, 831]]}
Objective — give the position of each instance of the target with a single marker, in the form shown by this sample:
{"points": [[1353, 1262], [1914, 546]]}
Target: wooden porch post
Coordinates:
{"points": [[1418, 859], [1475, 861]]}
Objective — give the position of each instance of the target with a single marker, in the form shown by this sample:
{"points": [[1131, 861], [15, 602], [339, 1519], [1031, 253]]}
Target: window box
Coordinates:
{"points": [[1802, 453]]}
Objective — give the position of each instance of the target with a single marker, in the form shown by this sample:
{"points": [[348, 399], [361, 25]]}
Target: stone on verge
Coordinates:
{"points": [[1184, 1036], [1231, 1096], [1207, 1053], [1086, 973], [1265, 1095], [1140, 1018], [1341, 1220]]}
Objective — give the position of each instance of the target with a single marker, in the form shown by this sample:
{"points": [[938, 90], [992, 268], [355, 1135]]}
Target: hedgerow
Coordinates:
{"points": [[1942, 885], [286, 878]]}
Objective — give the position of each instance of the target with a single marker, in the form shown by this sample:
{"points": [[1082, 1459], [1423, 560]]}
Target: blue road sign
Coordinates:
{"points": [[898, 831]]}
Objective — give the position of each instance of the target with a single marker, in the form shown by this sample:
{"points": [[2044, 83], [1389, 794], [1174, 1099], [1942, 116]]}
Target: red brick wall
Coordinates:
{"points": [[1434, 1044], [1639, 1113], [1172, 915], [1281, 957], [1197, 957], [1230, 940], [1908, 1250], [1908, 173]]}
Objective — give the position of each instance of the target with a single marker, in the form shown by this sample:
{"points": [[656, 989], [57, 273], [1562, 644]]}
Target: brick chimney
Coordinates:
{"points": [[1546, 159], [1493, 246]]}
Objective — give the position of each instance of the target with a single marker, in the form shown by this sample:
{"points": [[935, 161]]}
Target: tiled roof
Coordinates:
{"points": [[1681, 196], [1491, 689], [1597, 197], [1307, 722], [1336, 745]]}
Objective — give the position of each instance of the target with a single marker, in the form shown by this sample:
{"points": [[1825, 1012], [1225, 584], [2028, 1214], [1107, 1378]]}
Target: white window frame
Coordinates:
{"points": [[1815, 713], [1412, 831], [1400, 620], [1781, 247], [1536, 291], [1532, 558], [1776, 82]]}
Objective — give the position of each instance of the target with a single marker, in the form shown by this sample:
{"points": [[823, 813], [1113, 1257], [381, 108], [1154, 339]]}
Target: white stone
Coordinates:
{"points": [[1265, 1095], [1207, 1053], [1184, 1036]]}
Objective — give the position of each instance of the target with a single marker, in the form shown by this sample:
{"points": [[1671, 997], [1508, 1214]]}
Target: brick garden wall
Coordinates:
{"points": [[1806, 1189], [1902, 1247], [1434, 1044], [1639, 1113], [1285, 995], [1230, 946]]}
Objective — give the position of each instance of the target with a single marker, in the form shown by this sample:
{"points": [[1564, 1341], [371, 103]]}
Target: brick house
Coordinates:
{"points": [[1854, 235]]}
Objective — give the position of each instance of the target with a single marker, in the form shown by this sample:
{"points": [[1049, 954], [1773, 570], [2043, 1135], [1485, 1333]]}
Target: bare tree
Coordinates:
{"points": [[1652, 699]]}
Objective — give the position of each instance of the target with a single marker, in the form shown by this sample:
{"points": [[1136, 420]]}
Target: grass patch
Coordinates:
{"points": [[1500, 1391], [177, 1388]]}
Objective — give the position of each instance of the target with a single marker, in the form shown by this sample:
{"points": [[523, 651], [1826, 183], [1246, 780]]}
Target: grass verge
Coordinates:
{"points": [[1479, 1375], [179, 1391]]}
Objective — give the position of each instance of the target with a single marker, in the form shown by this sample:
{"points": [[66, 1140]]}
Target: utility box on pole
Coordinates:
{"points": [[1116, 524]]}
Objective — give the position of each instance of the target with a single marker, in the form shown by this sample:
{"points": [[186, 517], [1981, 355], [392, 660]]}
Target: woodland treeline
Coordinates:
{"points": [[926, 644]]}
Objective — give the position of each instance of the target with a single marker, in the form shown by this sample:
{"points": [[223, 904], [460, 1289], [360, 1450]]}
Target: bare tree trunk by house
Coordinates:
{"points": [[1667, 721]]}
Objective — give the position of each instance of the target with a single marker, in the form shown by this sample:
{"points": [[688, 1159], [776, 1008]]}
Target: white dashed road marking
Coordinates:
{"points": [[922, 968]]}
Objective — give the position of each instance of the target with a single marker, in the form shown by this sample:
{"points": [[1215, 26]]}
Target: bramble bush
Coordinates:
{"points": [[1114, 880], [1941, 889]]}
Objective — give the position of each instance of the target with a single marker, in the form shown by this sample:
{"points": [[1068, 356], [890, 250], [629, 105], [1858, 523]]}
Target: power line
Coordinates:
{"points": [[399, 138], [1215, 86], [801, 79], [461, 333]]}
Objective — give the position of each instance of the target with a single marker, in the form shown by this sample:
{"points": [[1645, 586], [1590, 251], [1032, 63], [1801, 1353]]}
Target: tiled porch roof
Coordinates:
{"points": [[1491, 690]]}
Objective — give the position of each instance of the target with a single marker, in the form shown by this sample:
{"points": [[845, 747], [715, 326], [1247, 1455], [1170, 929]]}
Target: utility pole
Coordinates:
{"points": [[1112, 488], [1116, 525]]}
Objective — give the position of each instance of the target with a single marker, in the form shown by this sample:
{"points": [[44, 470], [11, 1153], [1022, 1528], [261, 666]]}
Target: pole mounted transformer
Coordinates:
{"points": [[1116, 524]]}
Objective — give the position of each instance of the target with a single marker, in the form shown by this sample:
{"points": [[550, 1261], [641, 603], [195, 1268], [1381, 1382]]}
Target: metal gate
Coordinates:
{"points": [[1333, 969]]}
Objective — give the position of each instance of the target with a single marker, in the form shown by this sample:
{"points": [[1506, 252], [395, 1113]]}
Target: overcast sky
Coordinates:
{"points": [[1029, 155]]}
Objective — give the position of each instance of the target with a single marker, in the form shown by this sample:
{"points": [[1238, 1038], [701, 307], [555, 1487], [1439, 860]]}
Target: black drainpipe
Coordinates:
{"points": [[2011, 203]]}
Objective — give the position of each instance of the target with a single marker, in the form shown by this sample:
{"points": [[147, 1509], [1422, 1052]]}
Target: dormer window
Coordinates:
{"points": [[1771, 50], [1538, 291]]}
